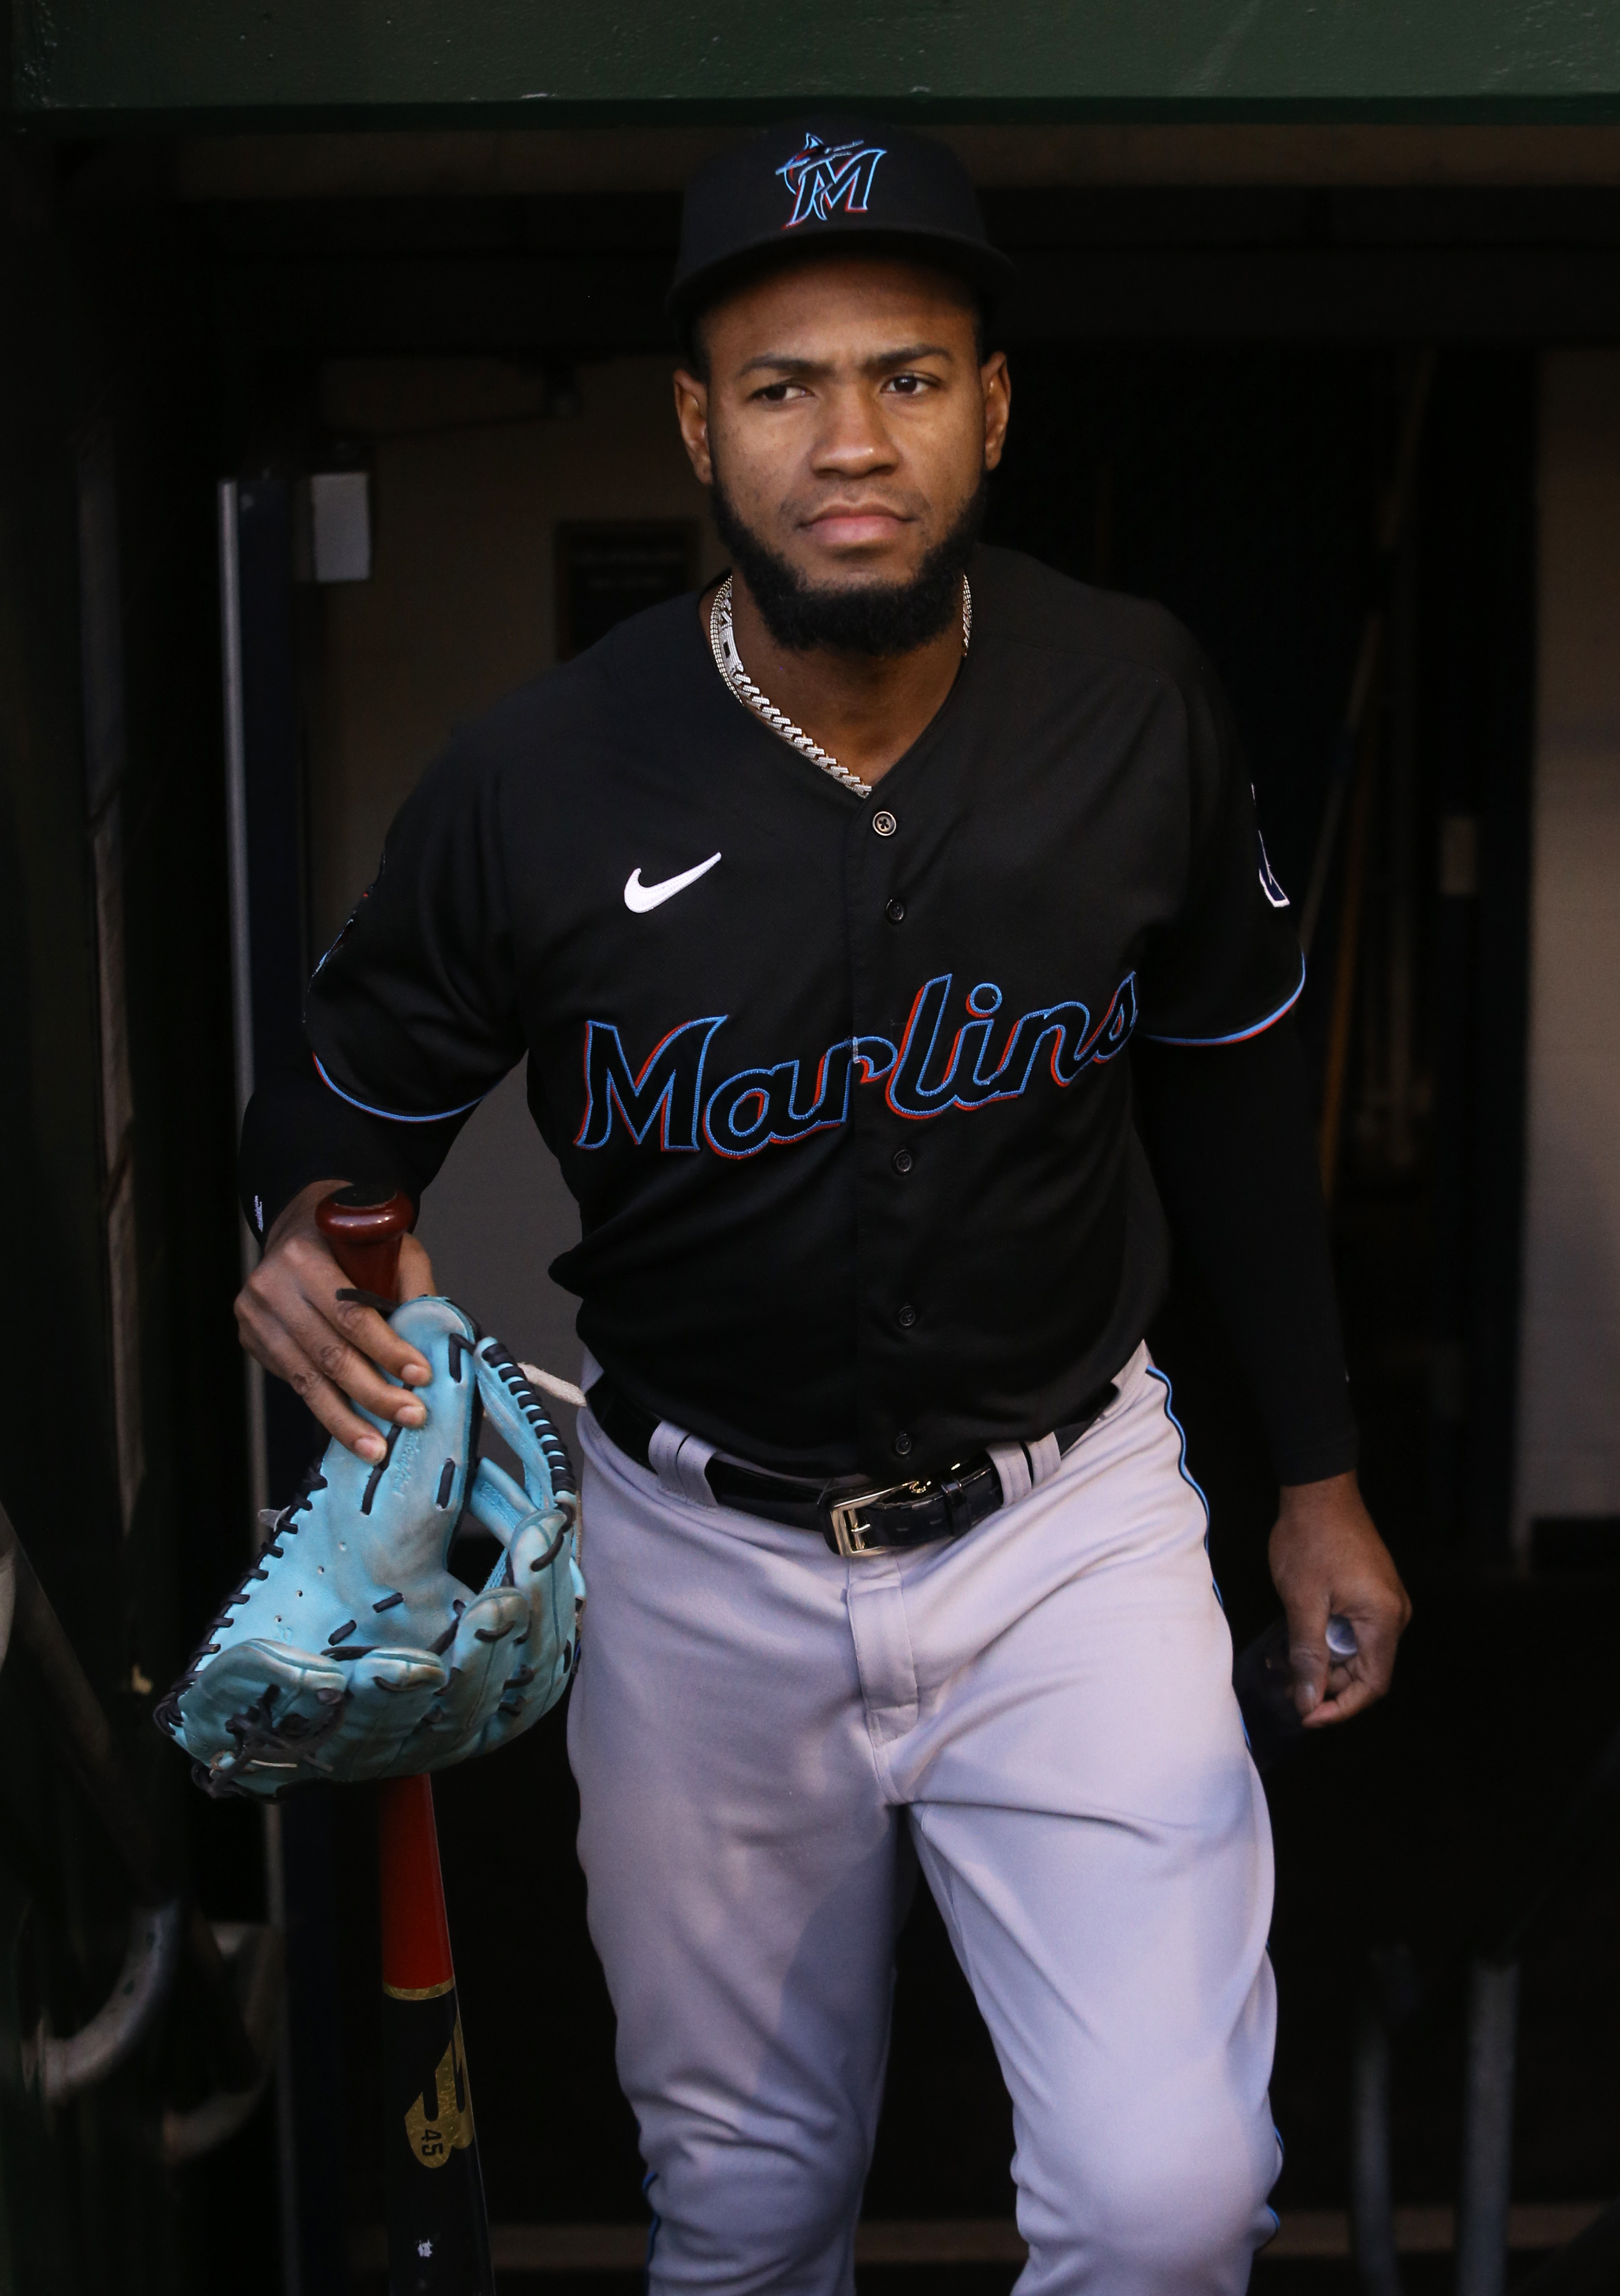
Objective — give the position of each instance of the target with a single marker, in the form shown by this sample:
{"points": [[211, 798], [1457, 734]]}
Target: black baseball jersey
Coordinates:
{"points": [[837, 1082]]}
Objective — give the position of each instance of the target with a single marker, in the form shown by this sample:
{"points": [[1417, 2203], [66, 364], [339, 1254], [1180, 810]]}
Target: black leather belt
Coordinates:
{"points": [[851, 1515]]}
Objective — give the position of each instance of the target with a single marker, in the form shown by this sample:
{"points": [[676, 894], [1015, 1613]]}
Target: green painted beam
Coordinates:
{"points": [[99, 63]]}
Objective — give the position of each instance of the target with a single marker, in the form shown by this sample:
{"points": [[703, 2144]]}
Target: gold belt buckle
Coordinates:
{"points": [[849, 1532]]}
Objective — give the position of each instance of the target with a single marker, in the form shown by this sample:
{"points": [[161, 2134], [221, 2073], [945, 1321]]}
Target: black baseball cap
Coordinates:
{"points": [[816, 182]]}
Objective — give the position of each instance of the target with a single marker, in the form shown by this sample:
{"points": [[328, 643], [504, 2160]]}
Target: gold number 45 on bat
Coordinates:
{"points": [[433, 2136]]}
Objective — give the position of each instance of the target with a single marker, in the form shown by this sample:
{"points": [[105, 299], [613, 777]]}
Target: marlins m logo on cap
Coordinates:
{"points": [[734, 220], [821, 179]]}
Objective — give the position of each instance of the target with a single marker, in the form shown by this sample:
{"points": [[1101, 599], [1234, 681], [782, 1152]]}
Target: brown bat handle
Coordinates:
{"points": [[365, 1238]]}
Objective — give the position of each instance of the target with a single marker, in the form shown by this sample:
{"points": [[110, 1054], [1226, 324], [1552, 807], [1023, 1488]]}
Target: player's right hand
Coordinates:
{"points": [[333, 1351]]}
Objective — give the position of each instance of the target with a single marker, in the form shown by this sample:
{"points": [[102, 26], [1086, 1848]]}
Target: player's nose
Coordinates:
{"points": [[853, 437]]}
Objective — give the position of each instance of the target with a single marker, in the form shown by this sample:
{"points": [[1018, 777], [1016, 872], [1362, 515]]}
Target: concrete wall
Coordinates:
{"points": [[469, 484], [1569, 1362]]}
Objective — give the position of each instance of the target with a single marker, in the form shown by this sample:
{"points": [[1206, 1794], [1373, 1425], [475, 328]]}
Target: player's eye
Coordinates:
{"points": [[777, 394], [908, 386]]}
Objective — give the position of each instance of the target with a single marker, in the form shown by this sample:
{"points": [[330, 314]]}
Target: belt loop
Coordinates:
{"points": [[679, 1460], [1045, 1459], [1012, 1466]]}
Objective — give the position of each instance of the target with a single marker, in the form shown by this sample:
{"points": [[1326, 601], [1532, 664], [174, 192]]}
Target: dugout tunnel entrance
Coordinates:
{"points": [[434, 367]]}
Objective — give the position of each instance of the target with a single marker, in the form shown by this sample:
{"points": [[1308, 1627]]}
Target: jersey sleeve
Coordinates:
{"points": [[412, 1013], [1227, 964], [1233, 1151]]}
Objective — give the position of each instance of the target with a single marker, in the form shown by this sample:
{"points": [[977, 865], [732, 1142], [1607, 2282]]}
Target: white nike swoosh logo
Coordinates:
{"points": [[642, 897]]}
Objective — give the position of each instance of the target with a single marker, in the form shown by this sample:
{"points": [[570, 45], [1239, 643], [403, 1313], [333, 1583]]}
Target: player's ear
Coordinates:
{"points": [[692, 414], [996, 382]]}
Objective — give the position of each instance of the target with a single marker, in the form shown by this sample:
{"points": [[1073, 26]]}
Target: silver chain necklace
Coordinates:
{"points": [[722, 640]]}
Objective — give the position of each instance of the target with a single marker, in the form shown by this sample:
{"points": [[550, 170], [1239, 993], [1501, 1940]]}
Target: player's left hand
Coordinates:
{"points": [[1327, 1561]]}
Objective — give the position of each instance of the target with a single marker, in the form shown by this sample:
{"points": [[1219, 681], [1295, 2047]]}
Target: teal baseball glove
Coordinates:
{"points": [[350, 1650]]}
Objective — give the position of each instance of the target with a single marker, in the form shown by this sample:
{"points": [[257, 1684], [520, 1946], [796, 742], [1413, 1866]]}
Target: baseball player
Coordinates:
{"points": [[866, 924]]}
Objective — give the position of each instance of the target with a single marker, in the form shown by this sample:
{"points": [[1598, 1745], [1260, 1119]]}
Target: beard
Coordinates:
{"points": [[875, 618]]}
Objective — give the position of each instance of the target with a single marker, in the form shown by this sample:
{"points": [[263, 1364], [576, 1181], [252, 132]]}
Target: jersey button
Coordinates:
{"points": [[902, 1445], [905, 1316], [884, 823], [903, 1159], [895, 911]]}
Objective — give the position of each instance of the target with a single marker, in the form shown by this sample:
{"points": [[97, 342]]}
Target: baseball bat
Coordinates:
{"points": [[438, 2230]]}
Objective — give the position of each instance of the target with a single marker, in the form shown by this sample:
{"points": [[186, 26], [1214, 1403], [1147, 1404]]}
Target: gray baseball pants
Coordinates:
{"points": [[1045, 1707]]}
